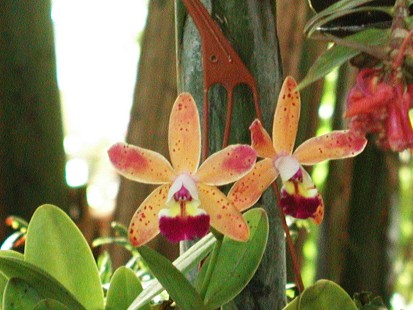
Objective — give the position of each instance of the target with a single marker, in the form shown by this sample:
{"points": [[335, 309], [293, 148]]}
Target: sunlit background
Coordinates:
{"points": [[97, 48]]}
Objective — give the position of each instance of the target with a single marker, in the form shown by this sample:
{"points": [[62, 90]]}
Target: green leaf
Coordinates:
{"points": [[175, 283], [52, 304], [325, 294], [56, 245], [19, 294], [184, 263], [12, 254], [40, 280], [124, 288], [237, 262], [293, 305], [337, 55], [3, 278]]}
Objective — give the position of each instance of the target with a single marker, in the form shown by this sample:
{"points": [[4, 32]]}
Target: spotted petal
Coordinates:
{"points": [[334, 145], [184, 135], [245, 192], [286, 117], [227, 166], [261, 141], [224, 217], [144, 225], [140, 165]]}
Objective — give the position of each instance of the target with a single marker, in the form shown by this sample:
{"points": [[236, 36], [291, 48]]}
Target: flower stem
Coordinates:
{"points": [[290, 244], [402, 50]]}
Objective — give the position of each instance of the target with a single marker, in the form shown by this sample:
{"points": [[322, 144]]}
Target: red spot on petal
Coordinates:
{"points": [[242, 159], [121, 155]]}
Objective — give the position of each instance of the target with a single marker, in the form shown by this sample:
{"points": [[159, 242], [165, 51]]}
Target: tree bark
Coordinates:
{"points": [[250, 26], [155, 92], [332, 239], [367, 264], [32, 158]]}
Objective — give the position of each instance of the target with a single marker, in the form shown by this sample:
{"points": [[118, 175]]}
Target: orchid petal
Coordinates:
{"points": [[184, 135], [140, 165], [144, 225], [334, 145], [286, 117], [287, 166], [246, 192], [227, 166], [224, 217], [261, 140]]}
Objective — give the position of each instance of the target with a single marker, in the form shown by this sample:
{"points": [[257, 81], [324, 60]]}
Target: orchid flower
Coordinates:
{"points": [[187, 201], [299, 196]]}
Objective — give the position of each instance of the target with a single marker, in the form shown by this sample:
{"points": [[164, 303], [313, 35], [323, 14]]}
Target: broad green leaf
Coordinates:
{"points": [[293, 305], [51, 304], [175, 283], [229, 306], [3, 278], [12, 254], [124, 288], [56, 245], [204, 268], [40, 280], [237, 262], [325, 295], [19, 294], [337, 55], [184, 263]]}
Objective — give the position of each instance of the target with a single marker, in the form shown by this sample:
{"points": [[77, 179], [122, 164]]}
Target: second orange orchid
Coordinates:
{"points": [[299, 196]]}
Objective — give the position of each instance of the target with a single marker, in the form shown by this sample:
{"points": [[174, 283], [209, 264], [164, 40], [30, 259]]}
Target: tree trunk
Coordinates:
{"points": [[332, 237], [367, 264], [155, 92], [250, 27], [32, 158]]}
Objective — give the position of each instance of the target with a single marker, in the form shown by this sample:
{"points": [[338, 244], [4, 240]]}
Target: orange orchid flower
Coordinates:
{"points": [[187, 201], [299, 196]]}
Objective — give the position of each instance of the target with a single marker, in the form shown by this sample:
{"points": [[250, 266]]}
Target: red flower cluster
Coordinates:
{"points": [[379, 106]]}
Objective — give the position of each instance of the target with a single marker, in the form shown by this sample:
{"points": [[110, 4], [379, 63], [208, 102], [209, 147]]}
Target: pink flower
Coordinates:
{"points": [[299, 196], [187, 201], [382, 108]]}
